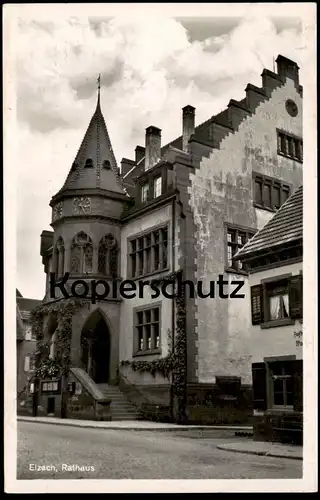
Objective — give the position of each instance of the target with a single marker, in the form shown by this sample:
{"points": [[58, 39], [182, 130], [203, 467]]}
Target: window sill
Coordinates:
{"points": [[230, 270], [147, 353], [263, 207], [280, 409], [142, 276], [277, 323], [290, 157]]}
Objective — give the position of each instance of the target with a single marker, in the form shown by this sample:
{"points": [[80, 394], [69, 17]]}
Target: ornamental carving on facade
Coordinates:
{"points": [[58, 210], [81, 205]]}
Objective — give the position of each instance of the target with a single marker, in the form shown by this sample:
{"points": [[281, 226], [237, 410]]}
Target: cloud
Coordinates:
{"points": [[150, 68]]}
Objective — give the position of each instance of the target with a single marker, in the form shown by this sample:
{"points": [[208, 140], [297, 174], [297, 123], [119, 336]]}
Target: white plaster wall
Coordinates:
{"points": [[135, 226], [278, 341], [221, 191]]}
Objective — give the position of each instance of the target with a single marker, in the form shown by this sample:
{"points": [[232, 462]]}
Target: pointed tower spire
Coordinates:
{"points": [[98, 82], [95, 164]]}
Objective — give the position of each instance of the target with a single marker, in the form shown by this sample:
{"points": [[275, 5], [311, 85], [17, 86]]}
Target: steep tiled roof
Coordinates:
{"points": [[96, 146], [286, 226], [26, 306], [19, 320]]}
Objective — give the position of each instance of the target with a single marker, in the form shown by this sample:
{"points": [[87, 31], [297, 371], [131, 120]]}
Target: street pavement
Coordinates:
{"points": [[79, 453]]}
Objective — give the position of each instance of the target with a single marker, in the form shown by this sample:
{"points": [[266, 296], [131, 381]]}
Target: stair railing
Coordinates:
{"points": [[134, 387]]}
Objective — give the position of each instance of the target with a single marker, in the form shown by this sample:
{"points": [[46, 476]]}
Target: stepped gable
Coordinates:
{"points": [[217, 127]]}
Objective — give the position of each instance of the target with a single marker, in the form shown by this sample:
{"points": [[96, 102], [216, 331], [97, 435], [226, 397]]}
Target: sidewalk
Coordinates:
{"points": [[265, 448], [136, 425]]}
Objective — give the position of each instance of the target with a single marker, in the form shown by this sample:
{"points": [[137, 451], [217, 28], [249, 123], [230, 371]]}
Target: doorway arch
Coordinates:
{"points": [[95, 348]]}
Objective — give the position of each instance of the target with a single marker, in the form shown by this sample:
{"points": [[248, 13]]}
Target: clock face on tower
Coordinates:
{"points": [[81, 205], [58, 210]]}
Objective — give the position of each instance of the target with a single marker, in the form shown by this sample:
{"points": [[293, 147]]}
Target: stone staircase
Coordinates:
{"points": [[121, 408]]}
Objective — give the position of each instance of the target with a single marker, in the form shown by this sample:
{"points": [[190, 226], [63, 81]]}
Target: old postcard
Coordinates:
{"points": [[160, 247]]}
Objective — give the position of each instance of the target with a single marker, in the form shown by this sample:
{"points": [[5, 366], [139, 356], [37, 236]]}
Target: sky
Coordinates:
{"points": [[151, 66]]}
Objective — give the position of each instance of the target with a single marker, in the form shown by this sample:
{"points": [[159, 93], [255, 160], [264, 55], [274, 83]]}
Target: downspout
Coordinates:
{"points": [[183, 218], [173, 308]]}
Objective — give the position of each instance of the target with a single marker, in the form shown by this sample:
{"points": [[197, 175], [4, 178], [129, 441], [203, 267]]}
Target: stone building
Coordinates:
{"points": [[273, 259], [26, 348], [177, 212]]}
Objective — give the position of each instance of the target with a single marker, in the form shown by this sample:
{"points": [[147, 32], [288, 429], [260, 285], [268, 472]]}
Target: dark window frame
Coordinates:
{"points": [[262, 292], [286, 377], [148, 255], [154, 186], [237, 231], [147, 325], [289, 146], [275, 185]]}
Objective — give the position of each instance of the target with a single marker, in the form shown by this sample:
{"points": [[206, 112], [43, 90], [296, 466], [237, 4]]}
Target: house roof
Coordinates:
{"points": [[25, 306], [19, 320], [286, 226], [96, 146]]}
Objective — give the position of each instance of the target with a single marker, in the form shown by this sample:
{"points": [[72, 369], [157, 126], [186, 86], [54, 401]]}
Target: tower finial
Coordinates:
{"points": [[99, 86]]}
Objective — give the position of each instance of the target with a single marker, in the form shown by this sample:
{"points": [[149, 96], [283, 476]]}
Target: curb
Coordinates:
{"points": [[131, 428], [260, 453]]}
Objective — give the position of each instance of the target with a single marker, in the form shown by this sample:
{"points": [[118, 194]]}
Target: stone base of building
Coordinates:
{"points": [[208, 404], [205, 404], [283, 427]]}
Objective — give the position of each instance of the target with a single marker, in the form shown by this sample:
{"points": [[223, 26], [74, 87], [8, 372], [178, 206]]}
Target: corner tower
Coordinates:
{"points": [[85, 243]]}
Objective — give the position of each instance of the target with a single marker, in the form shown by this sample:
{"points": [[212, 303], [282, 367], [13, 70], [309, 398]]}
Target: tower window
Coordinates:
{"points": [[106, 164], [81, 254], [108, 256], [89, 163]]}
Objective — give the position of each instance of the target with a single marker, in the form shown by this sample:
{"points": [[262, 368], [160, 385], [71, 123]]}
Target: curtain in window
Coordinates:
{"points": [[275, 307], [285, 299]]}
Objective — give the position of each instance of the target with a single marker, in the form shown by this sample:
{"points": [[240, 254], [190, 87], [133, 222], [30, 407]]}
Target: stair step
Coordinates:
{"points": [[121, 408]]}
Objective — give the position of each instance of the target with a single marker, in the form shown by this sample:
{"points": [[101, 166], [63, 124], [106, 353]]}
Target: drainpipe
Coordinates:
{"points": [[173, 309]]}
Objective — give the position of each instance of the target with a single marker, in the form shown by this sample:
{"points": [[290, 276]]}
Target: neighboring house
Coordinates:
{"points": [[273, 258], [26, 347], [181, 210]]}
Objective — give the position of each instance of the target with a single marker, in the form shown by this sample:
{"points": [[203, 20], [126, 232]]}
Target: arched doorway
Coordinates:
{"points": [[95, 348]]}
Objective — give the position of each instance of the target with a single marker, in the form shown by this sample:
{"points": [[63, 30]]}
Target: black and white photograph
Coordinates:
{"points": [[160, 247]]}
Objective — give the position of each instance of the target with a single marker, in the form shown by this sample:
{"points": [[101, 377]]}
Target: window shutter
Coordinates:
{"points": [[295, 296], [297, 369], [259, 386], [257, 304], [26, 363]]}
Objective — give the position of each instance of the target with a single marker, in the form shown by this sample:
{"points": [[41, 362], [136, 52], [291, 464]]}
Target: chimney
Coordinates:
{"points": [[153, 146], [288, 69], [140, 152], [188, 119]]}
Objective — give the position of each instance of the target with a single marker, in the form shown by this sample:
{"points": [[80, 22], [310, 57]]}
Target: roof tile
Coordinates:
{"points": [[285, 226]]}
